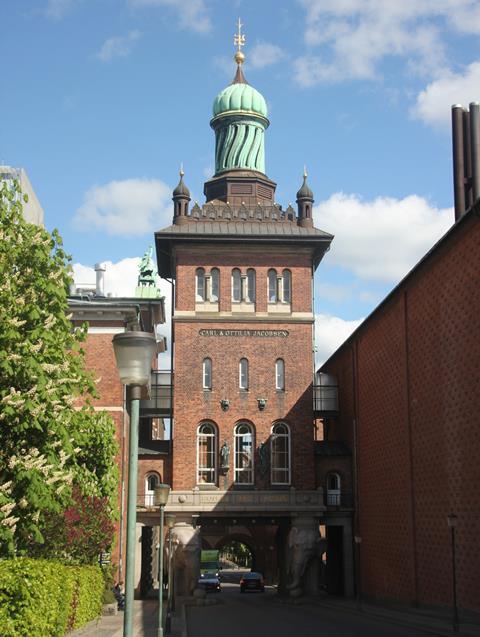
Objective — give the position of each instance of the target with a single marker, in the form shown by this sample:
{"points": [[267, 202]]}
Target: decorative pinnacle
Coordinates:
{"points": [[239, 41], [182, 172], [305, 174]]}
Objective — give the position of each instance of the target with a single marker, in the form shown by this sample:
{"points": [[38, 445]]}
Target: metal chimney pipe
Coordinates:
{"points": [[467, 159], [458, 160], [100, 278], [475, 148]]}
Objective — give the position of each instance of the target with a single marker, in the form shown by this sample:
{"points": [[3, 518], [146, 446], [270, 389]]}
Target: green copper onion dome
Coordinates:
{"points": [[240, 97]]}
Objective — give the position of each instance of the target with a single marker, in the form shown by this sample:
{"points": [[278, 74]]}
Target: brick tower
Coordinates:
{"points": [[242, 326]]}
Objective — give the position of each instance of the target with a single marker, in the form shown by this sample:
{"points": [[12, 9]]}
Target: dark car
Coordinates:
{"points": [[252, 582], [209, 582]]}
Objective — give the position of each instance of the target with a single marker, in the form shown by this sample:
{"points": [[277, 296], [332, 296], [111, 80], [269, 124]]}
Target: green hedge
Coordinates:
{"points": [[42, 598]]}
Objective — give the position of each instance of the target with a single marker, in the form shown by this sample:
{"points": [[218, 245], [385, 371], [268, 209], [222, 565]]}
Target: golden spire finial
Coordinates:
{"points": [[239, 41]]}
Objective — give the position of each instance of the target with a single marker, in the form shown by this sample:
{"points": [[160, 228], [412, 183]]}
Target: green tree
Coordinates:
{"points": [[50, 436]]}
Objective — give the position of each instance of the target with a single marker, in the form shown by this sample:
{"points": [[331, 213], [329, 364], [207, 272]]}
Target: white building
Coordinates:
{"points": [[32, 210]]}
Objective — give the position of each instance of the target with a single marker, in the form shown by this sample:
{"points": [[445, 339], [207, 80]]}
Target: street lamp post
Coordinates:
{"points": [[358, 541], [170, 521], [452, 524], [161, 498], [133, 353]]}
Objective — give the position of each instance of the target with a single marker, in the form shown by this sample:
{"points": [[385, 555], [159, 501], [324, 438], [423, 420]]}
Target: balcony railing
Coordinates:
{"points": [[337, 500], [325, 399], [160, 401]]}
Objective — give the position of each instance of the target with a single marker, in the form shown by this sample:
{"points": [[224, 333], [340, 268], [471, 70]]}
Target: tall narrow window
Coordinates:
{"points": [[243, 468], [287, 286], [272, 286], [215, 283], [333, 489], [151, 481], [236, 285], [207, 373], [243, 373], [200, 285], [250, 296], [279, 374], [280, 454], [206, 454]]}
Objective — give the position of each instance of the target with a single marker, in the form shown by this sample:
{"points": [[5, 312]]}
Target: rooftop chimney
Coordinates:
{"points": [[100, 276], [466, 156]]}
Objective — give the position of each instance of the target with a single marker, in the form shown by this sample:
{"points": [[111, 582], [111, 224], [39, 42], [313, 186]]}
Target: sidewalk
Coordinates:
{"points": [[145, 623], [429, 621]]}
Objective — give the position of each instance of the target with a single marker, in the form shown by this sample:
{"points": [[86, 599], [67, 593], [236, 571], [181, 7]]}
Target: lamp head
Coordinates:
{"points": [[452, 520], [133, 353], [160, 494]]}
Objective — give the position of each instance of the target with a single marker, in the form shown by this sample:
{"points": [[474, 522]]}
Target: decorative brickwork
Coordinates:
{"points": [[410, 379]]}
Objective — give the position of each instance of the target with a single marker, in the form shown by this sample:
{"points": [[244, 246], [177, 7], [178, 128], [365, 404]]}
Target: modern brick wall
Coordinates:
{"points": [[410, 379]]}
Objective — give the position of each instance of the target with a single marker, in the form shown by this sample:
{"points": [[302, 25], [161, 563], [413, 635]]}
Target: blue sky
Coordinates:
{"points": [[102, 100]]}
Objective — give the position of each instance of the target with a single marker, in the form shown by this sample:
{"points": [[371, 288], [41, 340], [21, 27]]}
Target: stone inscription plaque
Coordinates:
{"points": [[247, 333]]}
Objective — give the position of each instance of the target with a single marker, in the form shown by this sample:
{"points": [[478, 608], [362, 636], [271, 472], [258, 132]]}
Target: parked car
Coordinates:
{"points": [[252, 582], [209, 582]]}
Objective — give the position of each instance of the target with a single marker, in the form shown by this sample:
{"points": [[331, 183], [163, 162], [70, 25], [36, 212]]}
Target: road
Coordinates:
{"points": [[264, 615]]}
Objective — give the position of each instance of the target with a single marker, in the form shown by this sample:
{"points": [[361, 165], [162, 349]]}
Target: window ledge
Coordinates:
{"points": [[206, 306], [207, 487], [279, 308]]}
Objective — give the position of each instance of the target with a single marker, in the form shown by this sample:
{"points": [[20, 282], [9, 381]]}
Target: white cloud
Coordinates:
{"points": [[128, 207], [330, 333], [433, 104], [119, 46], [192, 14], [382, 239], [264, 54], [57, 9], [354, 36], [121, 281]]}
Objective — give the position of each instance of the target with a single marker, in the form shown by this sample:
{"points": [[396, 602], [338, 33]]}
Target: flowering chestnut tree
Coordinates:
{"points": [[50, 436]]}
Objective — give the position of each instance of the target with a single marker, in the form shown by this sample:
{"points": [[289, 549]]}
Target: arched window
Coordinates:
{"points": [[215, 285], [333, 489], [206, 454], [200, 285], [287, 286], [279, 374], [236, 285], [243, 461], [272, 286], [243, 374], [152, 480], [250, 297], [207, 373], [280, 454]]}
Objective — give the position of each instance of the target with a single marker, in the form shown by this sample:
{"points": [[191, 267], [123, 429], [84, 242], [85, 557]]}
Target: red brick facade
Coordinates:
{"points": [[409, 384], [192, 404]]}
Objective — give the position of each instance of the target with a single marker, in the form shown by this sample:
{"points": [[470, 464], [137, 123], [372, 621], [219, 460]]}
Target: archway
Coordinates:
{"points": [[235, 554]]}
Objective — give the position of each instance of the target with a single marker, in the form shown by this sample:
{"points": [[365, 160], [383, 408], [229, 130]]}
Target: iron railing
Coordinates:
{"points": [[160, 401], [325, 399]]}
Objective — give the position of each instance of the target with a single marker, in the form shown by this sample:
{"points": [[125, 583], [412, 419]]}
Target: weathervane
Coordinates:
{"points": [[239, 41]]}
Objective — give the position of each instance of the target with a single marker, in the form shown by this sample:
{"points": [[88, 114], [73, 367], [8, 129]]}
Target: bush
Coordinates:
{"points": [[89, 594], [40, 598]]}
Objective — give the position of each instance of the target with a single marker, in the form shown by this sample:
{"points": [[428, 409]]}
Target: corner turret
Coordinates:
{"points": [[305, 203], [181, 197]]}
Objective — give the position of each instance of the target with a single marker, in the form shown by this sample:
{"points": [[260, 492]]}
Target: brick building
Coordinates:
{"points": [[409, 404], [245, 459], [106, 316]]}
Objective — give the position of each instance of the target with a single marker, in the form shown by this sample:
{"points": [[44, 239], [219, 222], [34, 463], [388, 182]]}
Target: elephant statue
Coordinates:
{"points": [[304, 544], [186, 548]]}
